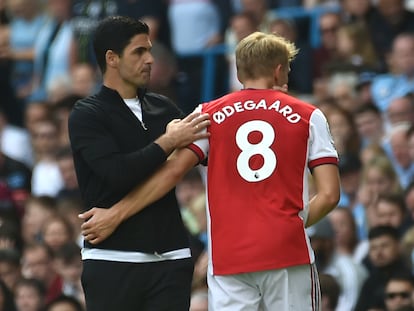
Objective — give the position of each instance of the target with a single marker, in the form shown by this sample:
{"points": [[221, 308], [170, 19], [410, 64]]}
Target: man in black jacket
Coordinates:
{"points": [[119, 137]]}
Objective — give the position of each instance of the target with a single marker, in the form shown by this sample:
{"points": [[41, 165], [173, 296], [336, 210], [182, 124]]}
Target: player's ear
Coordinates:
{"points": [[111, 58], [277, 72]]}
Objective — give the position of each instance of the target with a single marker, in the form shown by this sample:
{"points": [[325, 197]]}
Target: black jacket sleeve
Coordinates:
{"points": [[97, 149]]}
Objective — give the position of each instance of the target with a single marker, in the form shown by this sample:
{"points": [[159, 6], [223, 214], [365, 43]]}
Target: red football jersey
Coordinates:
{"points": [[261, 146]]}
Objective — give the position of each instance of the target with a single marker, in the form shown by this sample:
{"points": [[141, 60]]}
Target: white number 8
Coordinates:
{"points": [[261, 148]]}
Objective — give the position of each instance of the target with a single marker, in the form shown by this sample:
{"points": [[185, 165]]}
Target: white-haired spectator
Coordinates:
{"points": [[400, 152], [401, 109], [341, 87]]}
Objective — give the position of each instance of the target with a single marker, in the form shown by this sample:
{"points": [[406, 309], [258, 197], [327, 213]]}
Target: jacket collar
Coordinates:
{"points": [[108, 92]]}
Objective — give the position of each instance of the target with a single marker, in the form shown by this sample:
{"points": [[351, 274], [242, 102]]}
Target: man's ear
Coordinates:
{"points": [[277, 73], [111, 58]]}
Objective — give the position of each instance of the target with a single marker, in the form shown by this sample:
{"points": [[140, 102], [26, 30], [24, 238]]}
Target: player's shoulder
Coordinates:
{"points": [[297, 102], [250, 99]]}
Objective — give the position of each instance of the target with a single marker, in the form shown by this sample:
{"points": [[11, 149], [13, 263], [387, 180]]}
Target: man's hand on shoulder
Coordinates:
{"points": [[181, 133], [100, 223]]}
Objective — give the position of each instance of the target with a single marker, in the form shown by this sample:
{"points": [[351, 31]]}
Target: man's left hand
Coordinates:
{"points": [[100, 223]]}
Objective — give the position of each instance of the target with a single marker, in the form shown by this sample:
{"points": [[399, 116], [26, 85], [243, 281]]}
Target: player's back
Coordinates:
{"points": [[257, 181]]}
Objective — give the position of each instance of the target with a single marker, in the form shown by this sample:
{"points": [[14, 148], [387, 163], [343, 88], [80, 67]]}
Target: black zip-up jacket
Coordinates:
{"points": [[113, 153]]}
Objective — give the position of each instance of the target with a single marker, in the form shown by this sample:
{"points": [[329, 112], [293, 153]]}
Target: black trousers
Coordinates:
{"points": [[155, 286]]}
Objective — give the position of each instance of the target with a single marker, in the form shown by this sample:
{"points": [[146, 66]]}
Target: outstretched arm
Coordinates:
{"points": [[102, 222], [326, 178]]}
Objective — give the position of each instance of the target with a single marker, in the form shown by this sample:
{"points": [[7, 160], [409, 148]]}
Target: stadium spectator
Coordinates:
{"points": [[64, 303], [55, 49], [15, 141], [67, 170], [15, 179], [300, 76], [384, 260], [341, 87], [29, 295], [363, 87], [241, 25], [398, 292], [10, 267], [37, 211], [344, 227], [343, 129], [391, 211], [370, 125], [37, 263], [356, 11], [389, 19], [349, 274], [85, 17], [6, 298], [378, 176], [330, 292], [46, 177], [355, 49], [400, 154], [398, 80], [68, 264], [57, 232], [401, 109], [27, 19], [195, 26], [409, 199], [350, 171], [329, 22], [84, 79]]}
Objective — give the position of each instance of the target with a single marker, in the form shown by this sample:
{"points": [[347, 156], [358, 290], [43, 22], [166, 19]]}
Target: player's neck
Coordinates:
{"points": [[261, 83]]}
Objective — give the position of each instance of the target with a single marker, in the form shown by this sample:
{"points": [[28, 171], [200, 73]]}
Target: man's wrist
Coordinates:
{"points": [[166, 143], [119, 213]]}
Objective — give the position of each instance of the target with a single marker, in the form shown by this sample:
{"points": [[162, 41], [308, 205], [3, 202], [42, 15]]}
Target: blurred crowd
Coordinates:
{"points": [[360, 74]]}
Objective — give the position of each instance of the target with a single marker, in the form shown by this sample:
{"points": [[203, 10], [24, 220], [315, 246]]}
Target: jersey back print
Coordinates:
{"points": [[262, 145]]}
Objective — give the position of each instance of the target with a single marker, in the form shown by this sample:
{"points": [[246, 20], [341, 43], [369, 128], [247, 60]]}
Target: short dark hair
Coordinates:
{"points": [[10, 230], [36, 284], [393, 198], [45, 201], [68, 253], [330, 289], [371, 107], [115, 33], [7, 293], [400, 276], [10, 256], [35, 246], [381, 230], [67, 102], [65, 299], [349, 162]]}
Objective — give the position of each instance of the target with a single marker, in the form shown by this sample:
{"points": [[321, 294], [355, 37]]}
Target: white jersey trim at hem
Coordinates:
{"points": [[133, 257]]}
